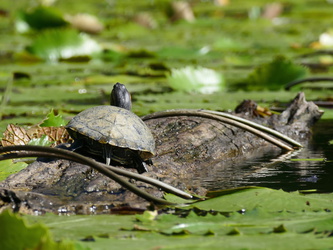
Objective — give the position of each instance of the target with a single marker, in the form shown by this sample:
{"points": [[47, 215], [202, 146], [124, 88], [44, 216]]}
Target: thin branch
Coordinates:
{"points": [[11, 152], [310, 79], [258, 126], [232, 120], [165, 187]]}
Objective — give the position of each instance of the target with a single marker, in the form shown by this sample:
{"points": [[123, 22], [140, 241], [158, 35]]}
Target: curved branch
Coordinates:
{"points": [[159, 184], [232, 120], [258, 126], [310, 79], [10, 152]]}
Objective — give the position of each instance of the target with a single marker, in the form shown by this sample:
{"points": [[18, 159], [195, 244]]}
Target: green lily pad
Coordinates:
{"points": [[243, 199], [275, 74], [262, 225], [41, 17], [8, 167], [57, 44], [16, 234]]}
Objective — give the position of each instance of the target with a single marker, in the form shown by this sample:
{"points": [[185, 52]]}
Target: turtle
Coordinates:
{"points": [[113, 132]]}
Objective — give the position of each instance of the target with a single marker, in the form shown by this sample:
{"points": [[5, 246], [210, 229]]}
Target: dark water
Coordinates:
{"points": [[292, 175]]}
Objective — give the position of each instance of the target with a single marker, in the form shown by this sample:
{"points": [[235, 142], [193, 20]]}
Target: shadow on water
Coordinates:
{"points": [[301, 170]]}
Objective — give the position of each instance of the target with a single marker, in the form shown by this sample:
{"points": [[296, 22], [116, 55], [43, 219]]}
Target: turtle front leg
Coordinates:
{"points": [[107, 154], [139, 164]]}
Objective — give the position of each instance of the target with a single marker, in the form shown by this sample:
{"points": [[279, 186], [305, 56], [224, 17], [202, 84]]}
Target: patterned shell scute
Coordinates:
{"points": [[115, 126]]}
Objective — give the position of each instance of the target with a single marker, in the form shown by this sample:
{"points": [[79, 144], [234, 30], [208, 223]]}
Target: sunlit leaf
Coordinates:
{"points": [[42, 141], [8, 167], [309, 159], [196, 79], [53, 120], [274, 75], [56, 44], [16, 234], [259, 228], [147, 216], [177, 199], [265, 198]]}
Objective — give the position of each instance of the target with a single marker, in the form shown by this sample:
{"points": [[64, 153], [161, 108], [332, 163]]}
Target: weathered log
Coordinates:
{"points": [[193, 153]]}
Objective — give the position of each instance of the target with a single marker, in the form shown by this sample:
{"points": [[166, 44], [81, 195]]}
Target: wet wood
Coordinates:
{"points": [[193, 154]]}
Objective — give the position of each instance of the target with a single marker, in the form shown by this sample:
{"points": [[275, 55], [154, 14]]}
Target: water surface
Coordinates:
{"points": [[291, 175]]}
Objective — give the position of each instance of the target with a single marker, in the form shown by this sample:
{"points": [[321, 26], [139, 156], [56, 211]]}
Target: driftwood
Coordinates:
{"points": [[193, 154]]}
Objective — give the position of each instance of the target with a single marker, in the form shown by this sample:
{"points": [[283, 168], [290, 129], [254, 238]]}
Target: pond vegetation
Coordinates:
{"points": [[212, 57]]}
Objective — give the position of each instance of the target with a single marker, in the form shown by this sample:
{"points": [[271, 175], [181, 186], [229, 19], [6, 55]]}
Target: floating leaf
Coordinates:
{"points": [[196, 79], [147, 216], [56, 44], [265, 198], [141, 53], [41, 17], [8, 167], [16, 234], [177, 199], [275, 75], [252, 230], [280, 229]]}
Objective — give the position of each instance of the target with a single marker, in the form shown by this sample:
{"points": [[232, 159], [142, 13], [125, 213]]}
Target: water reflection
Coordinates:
{"points": [[287, 172]]}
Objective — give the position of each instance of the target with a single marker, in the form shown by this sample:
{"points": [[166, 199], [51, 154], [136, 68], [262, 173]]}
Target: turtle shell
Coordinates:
{"points": [[114, 126]]}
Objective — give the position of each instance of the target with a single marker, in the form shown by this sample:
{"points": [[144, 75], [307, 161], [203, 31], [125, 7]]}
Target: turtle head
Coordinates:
{"points": [[120, 97]]}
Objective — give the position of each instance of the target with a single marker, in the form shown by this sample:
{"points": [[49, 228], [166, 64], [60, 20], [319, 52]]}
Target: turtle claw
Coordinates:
{"points": [[107, 160], [141, 168]]}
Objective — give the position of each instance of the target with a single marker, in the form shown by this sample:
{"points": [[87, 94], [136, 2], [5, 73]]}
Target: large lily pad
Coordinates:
{"points": [[40, 17], [260, 227], [56, 44]]}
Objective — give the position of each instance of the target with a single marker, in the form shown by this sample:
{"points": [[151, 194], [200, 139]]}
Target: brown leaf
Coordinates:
{"points": [[15, 135], [57, 135]]}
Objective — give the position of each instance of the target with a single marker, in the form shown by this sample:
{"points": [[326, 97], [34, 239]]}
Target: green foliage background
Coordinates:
{"points": [[232, 40], [235, 41]]}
